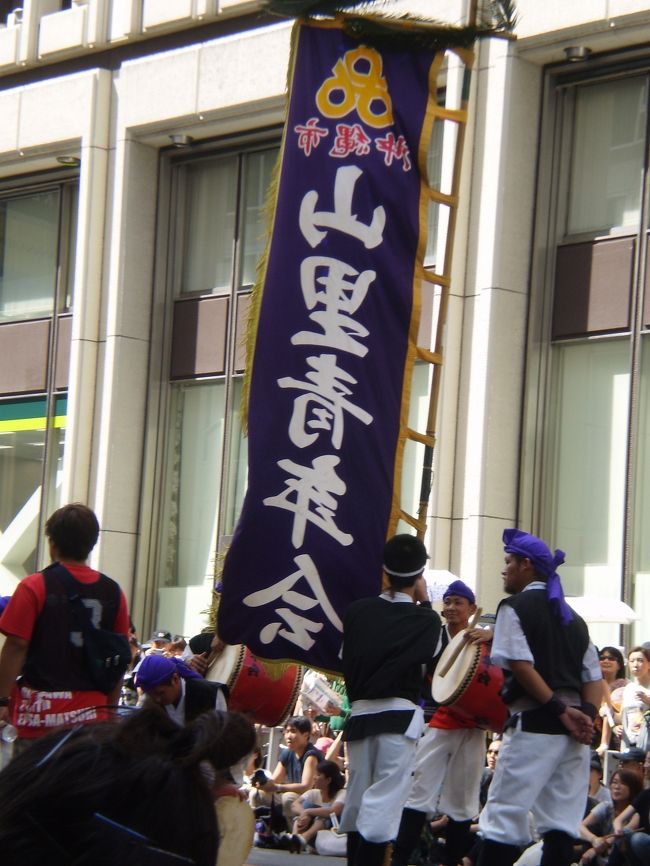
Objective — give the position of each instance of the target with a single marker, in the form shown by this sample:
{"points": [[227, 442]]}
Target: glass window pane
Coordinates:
{"points": [[258, 168], [192, 486], [22, 451], [586, 465], [73, 199], [435, 237], [29, 228], [607, 157], [210, 203], [641, 559], [237, 464]]}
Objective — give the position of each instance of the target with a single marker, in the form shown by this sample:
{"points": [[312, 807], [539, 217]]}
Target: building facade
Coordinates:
{"points": [[137, 140]]}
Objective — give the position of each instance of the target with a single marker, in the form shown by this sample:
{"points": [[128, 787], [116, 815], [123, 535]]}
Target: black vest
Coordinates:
{"points": [[557, 649], [55, 657], [200, 697]]}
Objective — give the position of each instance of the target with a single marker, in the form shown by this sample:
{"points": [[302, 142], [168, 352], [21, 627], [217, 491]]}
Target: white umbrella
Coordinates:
{"points": [[594, 608], [437, 581]]}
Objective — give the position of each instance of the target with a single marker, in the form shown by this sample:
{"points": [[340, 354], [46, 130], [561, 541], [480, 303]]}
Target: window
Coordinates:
{"points": [[37, 233], [608, 145], [31, 460], [219, 235], [595, 457]]}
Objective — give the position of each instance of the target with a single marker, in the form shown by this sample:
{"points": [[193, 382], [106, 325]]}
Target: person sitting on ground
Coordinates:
{"points": [[296, 768], [633, 760], [598, 826], [141, 792], [597, 792], [632, 829], [314, 809]]}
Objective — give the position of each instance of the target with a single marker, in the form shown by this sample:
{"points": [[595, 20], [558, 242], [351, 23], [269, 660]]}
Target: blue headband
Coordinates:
{"points": [[156, 669], [529, 546], [457, 587]]}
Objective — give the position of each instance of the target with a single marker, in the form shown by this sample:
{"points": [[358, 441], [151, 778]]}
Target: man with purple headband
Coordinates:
{"points": [[450, 755], [183, 693], [552, 687]]}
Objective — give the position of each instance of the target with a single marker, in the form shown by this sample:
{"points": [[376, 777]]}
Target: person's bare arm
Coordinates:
{"points": [[12, 659], [277, 778], [305, 784]]}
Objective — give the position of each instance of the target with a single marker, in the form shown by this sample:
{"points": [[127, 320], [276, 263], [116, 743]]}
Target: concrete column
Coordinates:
{"points": [[494, 316]]}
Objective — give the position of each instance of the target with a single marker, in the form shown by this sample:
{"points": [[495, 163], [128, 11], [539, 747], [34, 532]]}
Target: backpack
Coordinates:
{"points": [[107, 654]]}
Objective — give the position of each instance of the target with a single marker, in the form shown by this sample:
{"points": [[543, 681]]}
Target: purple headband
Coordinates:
{"points": [[156, 669], [523, 544], [457, 587]]}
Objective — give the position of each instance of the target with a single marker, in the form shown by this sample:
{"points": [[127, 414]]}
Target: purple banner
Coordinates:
{"points": [[335, 339]]}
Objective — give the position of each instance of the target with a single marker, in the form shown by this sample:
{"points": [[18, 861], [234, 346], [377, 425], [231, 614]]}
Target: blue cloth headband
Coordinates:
{"points": [[546, 563]]}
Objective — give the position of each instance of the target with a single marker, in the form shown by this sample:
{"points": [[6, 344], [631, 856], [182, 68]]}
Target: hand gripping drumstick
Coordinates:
{"points": [[454, 655]]}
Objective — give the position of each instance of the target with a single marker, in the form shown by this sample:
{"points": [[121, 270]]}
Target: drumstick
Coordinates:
{"points": [[457, 651]]}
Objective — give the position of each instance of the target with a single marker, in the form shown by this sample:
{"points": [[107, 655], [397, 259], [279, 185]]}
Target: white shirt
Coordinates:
{"points": [[177, 713], [510, 644]]}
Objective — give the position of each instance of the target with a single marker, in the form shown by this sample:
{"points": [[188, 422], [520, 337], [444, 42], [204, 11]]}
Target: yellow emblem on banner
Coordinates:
{"points": [[357, 83]]}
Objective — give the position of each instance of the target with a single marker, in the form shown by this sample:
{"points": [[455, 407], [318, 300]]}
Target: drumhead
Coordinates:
{"points": [[448, 688], [225, 666]]}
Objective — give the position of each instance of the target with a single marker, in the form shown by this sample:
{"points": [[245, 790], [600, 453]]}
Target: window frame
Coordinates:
{"points": [[550, 222]]}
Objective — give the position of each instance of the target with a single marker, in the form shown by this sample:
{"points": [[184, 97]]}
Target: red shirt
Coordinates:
{"points": [[35, 713], [28, 599]]}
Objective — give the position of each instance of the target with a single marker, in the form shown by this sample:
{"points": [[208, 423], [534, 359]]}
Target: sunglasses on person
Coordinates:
{"points": [[607, 658]]}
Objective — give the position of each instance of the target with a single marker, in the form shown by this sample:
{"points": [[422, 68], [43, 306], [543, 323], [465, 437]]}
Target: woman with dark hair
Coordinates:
{"points": [[612, 665], [139, 792], [635, 699], [598, 826], [315, 808]]}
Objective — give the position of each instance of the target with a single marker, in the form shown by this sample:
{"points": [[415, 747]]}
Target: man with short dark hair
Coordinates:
{"points": [[296, 768], [552, 687], [387, 640], [44, 643]]}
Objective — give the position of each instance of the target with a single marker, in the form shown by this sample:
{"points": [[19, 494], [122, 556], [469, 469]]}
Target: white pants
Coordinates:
{"points": [[448, 767], [546, 774], [380, 777]]}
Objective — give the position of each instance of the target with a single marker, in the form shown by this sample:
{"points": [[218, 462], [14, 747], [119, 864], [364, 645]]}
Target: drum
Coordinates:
{"points": [[466, 680], [255, 688]]}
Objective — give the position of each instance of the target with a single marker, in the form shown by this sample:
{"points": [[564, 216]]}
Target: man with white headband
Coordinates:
{"points": [[552, 687], [386, 641]]}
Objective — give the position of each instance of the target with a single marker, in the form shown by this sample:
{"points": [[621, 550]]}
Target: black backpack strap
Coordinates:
{"points": [[71, 589]]}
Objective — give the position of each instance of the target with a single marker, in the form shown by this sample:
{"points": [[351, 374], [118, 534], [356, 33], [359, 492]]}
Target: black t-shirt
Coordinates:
{"points": [[294, 765]]}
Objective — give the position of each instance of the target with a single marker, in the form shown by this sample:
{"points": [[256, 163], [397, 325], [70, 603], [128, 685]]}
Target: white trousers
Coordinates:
{"points": [[546, 774], [380, 777], [448, 767]]}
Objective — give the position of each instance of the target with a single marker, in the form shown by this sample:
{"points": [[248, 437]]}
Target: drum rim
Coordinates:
{"points": [[466, 680], [462, 687]]}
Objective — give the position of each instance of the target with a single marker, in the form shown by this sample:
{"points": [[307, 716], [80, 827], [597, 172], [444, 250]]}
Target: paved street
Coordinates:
{"points": [[267, 857]]}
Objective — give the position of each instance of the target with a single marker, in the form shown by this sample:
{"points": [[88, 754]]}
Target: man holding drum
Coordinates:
{"points": [[450, 755], [552, 688], [386, 642]]}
